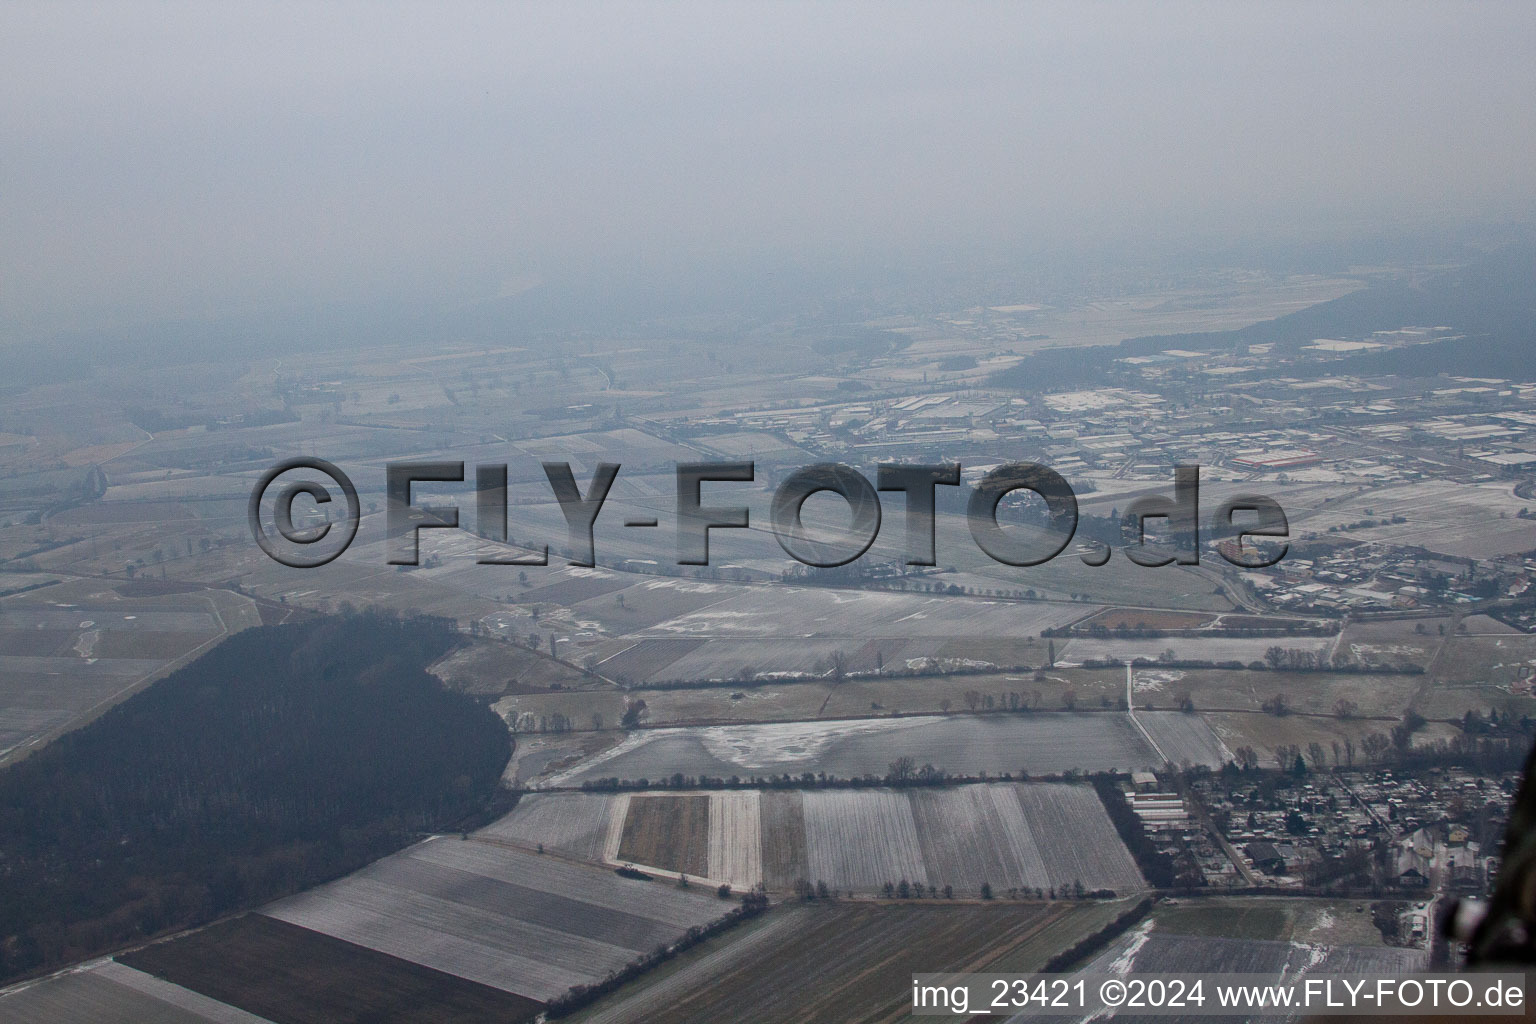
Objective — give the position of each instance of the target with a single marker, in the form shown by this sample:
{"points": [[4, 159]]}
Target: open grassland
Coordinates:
{"points": [[1186, 648], [1315, 921], [1394, 641], [1265, 733], [1039, 744], [653, 599], [796, 612], [1453, 700], [573, 584], [1445, 516], [554, 753], [778, 701], [1183, 955], [535, 713], [1486, 659], [1147, 618], [669, 832], [730, 659], [723, 631], [845, 963], [110, 993], [281, 972], [647, 659], [1005, 652], [1314, 692], [1122, 583], [503, 917]]}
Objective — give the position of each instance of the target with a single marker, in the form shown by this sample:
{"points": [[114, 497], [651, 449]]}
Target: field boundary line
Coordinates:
{"points": [[1130, 709]]}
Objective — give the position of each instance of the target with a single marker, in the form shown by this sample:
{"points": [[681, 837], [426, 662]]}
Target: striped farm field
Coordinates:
{"points": [[110, 993], [736, 838], [977, 834], [861, 839], [275, 971], [1077, 842], [1183, 739], [843, 962], [575, 824], [783, 830], [504, 917], [1008, 835]]}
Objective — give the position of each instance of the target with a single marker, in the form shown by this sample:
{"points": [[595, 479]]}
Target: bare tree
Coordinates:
{"points": [[1316, 755]]}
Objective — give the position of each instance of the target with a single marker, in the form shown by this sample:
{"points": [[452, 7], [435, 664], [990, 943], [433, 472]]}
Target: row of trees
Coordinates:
{"points": [[1156, 867], [905, 890], [1479, 744], [576, 997]]}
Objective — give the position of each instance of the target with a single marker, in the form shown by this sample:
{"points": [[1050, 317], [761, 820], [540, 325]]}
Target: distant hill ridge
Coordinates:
{"points": [[1491, 302]]}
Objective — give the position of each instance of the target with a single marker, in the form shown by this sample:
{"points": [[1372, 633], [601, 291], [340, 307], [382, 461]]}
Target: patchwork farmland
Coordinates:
{"points": [[71, 649], [284, 973], [846, 963], [499, 916], [110, 993], [1009, 835]]}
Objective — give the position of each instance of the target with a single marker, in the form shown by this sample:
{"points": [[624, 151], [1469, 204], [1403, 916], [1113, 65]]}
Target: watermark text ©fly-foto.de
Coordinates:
{"points": [[308, 546]]}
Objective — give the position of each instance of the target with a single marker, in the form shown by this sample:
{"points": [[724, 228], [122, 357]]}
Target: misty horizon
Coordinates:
{"points": [[196, 166]]}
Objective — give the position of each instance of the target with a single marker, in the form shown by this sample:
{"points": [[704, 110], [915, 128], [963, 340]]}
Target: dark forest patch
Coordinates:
{"points": [[285, 756]]}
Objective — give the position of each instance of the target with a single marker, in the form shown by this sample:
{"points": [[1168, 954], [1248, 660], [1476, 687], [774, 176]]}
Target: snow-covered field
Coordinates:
{"points": [[512, 919], [1009, 835]]}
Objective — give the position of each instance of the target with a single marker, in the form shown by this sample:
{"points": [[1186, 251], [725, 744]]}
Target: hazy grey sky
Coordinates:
{"points": [[159, 160]]}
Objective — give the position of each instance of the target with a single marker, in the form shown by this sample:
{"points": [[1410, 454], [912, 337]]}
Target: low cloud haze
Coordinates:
{"points": [[169, 162]]}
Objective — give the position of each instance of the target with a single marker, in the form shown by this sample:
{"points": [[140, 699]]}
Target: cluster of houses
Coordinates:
{"points": [[1439, 827], [1173, 830], [1378, 577]]}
